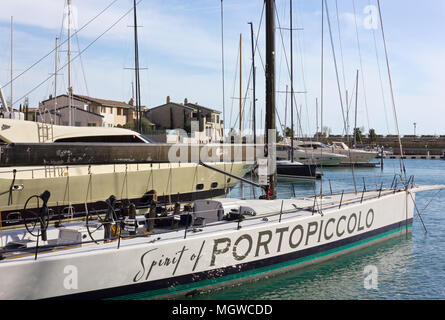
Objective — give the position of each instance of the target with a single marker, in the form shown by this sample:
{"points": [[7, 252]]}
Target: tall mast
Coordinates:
{"points": [[136, 67], [270, 128], [69, 65], [285, 110], [222, 66], [254, 83], [322, 68], [291, 86], [55, 83], [12, 61], [356, 102], [240, 84], [316, 117]]}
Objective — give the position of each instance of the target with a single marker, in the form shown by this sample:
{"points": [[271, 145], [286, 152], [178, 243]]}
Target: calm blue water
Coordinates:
{"points": [[408, 268]]}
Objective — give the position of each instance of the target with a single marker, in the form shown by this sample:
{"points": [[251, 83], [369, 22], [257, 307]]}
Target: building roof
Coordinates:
{"points": [[197, 106], [188, 106], [173, 103], [102, 102], [73, 107]]}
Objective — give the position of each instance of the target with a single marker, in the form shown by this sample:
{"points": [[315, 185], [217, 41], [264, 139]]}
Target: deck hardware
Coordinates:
{"points": [[341, 199], [313, 208]]}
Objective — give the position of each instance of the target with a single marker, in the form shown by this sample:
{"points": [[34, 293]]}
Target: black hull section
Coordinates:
{"points": [[296, 171]]}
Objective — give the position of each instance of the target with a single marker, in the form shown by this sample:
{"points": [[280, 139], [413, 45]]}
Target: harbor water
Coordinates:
{"points": [[410, 267]]}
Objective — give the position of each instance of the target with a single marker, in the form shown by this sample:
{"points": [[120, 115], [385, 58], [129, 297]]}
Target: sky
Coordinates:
{"points": [[180, 50]]}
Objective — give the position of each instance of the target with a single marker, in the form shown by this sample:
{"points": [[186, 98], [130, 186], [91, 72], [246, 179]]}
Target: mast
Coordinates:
{"points": [[285, 111], [316, 117], [69, 65], [136, 67], [12, 61], [270, 128], [291, 87], [356, 102], [222, 67], [240, 85], [254, 83], [55, 83], [322, 68]]}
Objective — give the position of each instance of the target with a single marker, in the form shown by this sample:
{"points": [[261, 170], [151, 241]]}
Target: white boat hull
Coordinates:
{"points": [[218, 255], [71, 188]]}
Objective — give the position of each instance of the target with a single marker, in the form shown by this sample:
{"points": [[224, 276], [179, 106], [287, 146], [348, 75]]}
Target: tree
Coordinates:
{"points": [[288, 132], [325, 132], [147, 126], [372, 136], [358, 135]]}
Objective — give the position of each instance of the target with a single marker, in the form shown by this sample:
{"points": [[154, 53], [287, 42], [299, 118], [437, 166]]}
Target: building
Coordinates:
{"points": [[195, 119], [86, 111]]}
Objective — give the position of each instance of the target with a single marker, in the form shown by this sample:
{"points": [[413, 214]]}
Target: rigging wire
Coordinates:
{"points": [[335, 63], [87, 47], [62, 43], [82, 67], [340, 43], [339, 89], [361, 64], [380, 76], [402, 162], [251, 71]]}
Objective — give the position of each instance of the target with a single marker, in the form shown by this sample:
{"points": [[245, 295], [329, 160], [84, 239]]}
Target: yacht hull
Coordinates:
{"points": [[219, 255], [72, 188]]}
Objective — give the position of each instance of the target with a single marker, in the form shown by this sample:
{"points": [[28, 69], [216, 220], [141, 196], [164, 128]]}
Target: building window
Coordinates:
{"points": [[119, 111], [77, 124], [92, 124]]}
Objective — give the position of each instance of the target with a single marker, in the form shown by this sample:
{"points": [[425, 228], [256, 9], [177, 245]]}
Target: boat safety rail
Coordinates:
{"points": [[263, 218], [327, 187]]}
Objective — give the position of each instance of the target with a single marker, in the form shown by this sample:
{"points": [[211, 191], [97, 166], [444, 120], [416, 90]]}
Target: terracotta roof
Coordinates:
{"points": [[103, 102], [109, 103]]}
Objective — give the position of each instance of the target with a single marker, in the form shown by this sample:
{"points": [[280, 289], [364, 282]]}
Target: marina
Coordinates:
{"points": [[105, 199]]}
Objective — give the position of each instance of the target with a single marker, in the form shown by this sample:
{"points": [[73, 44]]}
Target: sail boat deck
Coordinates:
{"points": [[256, 213]]}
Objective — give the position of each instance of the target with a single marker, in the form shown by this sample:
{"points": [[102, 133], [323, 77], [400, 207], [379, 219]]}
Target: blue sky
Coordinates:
{"points": [[180, 44]]}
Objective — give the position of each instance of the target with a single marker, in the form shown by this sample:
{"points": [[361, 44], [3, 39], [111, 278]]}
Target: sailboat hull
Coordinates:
{"points": [[72, 188], [219, 255]]}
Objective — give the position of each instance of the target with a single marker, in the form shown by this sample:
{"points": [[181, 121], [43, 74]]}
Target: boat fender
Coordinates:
{"points": [[109, 218], [151, 215], [176, 217], [132, 223], [44, 213]]}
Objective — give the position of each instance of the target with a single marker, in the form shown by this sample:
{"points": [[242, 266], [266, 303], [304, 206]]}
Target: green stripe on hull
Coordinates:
{"points": [[258, 271]]}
